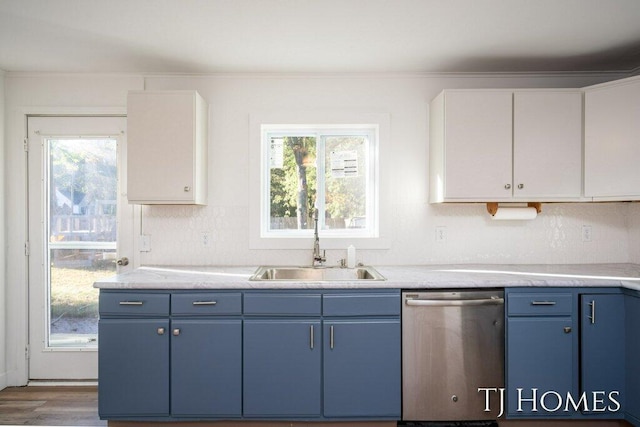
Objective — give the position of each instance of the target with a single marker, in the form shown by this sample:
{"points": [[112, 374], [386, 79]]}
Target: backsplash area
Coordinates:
{"points": [[219, 235]]}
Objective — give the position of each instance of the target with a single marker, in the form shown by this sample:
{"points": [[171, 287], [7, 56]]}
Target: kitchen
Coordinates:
{"points": [[408, 221]]}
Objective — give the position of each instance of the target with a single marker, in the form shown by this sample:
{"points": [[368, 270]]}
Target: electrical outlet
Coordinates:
{"points": [[145, 243], [586, 233], [441, 233], [206, 239]]}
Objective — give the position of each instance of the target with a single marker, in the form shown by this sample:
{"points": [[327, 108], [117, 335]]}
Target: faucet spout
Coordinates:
{"points": [[318, 259]]}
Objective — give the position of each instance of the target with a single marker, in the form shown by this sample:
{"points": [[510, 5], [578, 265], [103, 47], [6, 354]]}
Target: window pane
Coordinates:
{"points": [[292, 180], [82, 183], [74, 300], [346, 182]]}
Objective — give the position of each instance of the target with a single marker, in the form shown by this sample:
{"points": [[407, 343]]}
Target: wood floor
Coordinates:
{"points": [[51, 406], [78, 406]]}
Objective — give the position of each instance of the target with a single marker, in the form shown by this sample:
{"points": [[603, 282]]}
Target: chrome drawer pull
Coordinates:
{"points": [[204, 302], [592, 304], [543, 303], [311, 337], [130, 302], [331, 339]]}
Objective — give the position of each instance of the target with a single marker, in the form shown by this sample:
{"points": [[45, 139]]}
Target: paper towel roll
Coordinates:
{"points": [[513, 213]]}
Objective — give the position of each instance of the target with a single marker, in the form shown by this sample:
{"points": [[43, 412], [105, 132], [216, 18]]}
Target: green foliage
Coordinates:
{"points": [[345, 197], [285, 182]]}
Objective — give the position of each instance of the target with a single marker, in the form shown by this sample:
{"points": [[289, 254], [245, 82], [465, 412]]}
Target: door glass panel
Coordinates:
{"points": [[81, 205]]}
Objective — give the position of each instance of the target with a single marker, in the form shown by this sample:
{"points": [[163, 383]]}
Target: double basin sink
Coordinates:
{"points": [[316, 274]]}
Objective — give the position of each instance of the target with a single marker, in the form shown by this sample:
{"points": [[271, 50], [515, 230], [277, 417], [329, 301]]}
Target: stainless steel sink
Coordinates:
{"points": [[316, 274]]}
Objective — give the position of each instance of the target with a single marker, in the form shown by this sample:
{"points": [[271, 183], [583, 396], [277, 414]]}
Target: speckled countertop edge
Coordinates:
{"points": [[398, 277]]}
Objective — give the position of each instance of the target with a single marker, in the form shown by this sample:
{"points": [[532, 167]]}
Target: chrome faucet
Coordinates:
{"points": [[317, 258]]}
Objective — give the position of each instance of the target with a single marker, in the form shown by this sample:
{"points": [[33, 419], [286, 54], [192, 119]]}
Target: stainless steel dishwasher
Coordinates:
{"points": [[452, 344]]}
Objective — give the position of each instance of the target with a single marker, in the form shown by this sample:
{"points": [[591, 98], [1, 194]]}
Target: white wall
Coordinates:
{"points": [[471, 237], [175, 231], [3, 320], [634, 232]]}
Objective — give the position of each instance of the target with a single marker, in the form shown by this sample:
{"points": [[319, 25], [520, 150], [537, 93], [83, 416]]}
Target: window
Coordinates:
{"points": [[329, 168]]}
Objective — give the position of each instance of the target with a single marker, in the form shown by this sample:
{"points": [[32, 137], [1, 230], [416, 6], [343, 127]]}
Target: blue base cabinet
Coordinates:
{"points": [[133, 364], [541, 351], [362, 355], [206, 368], [565, 353], [270, 355], [282, 368], [362, 368], [186, 364], [602, 367], [632, 353]]}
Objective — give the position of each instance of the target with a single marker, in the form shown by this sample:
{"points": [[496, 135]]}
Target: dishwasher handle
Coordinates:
{"points": [[453, 302]]}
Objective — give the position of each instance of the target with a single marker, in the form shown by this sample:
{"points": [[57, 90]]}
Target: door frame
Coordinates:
{"points": [[17, 279]]}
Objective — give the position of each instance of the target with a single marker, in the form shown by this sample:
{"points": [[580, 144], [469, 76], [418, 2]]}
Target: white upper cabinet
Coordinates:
{"points": [[166, 147], [505, 145], [471, 145], [547, 145], [612, 140]]}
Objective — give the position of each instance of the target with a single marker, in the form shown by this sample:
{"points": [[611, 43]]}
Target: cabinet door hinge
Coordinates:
{"points": [[26, 249], [25, 143]]}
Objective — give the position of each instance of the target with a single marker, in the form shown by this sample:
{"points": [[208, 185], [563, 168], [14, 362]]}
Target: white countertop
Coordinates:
{"points": [[405, 277]]}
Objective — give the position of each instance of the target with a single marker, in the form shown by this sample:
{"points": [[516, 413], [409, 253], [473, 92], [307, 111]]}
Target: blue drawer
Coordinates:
{"points": [[540, 304], [285, 304], [133, 304], [359, 304], [206, 304]]}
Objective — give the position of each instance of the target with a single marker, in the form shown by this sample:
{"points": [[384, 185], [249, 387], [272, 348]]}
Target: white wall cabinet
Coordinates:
{"points": [[505, 145], [612, 140], [166, 147]]}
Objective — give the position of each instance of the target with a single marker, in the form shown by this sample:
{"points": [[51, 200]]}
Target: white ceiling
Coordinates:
{"points": [[319, 36]]}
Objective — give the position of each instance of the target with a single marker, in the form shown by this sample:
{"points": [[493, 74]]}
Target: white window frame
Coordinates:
{"points": [[321, 133], [333, 116]]}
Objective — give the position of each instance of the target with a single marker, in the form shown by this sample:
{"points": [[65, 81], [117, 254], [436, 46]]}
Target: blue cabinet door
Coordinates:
{"points": [[632, 401], [206, 368], [133, 367], [541, 356], [603, 358], [282, 368], [362, 368]]}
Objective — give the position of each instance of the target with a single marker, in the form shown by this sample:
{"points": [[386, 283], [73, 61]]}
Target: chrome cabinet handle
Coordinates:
{"points": [[176, 332], [520, 186], [567, 329], [205, 302], [130, 302], [187, 188], [311, 337], [507, 186], [592, 304], [543, 303], [331, 337], [160, 331]]}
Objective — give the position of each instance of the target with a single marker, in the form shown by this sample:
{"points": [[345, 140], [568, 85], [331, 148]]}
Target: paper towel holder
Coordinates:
{"points": [[492, 207]]}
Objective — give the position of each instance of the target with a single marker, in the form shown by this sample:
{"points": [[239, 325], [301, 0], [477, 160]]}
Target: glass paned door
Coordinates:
{"points": [[75, 210], [81, 230]]}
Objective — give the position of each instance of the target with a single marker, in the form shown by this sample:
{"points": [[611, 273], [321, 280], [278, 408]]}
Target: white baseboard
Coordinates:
{"points": [[54, 383]]}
